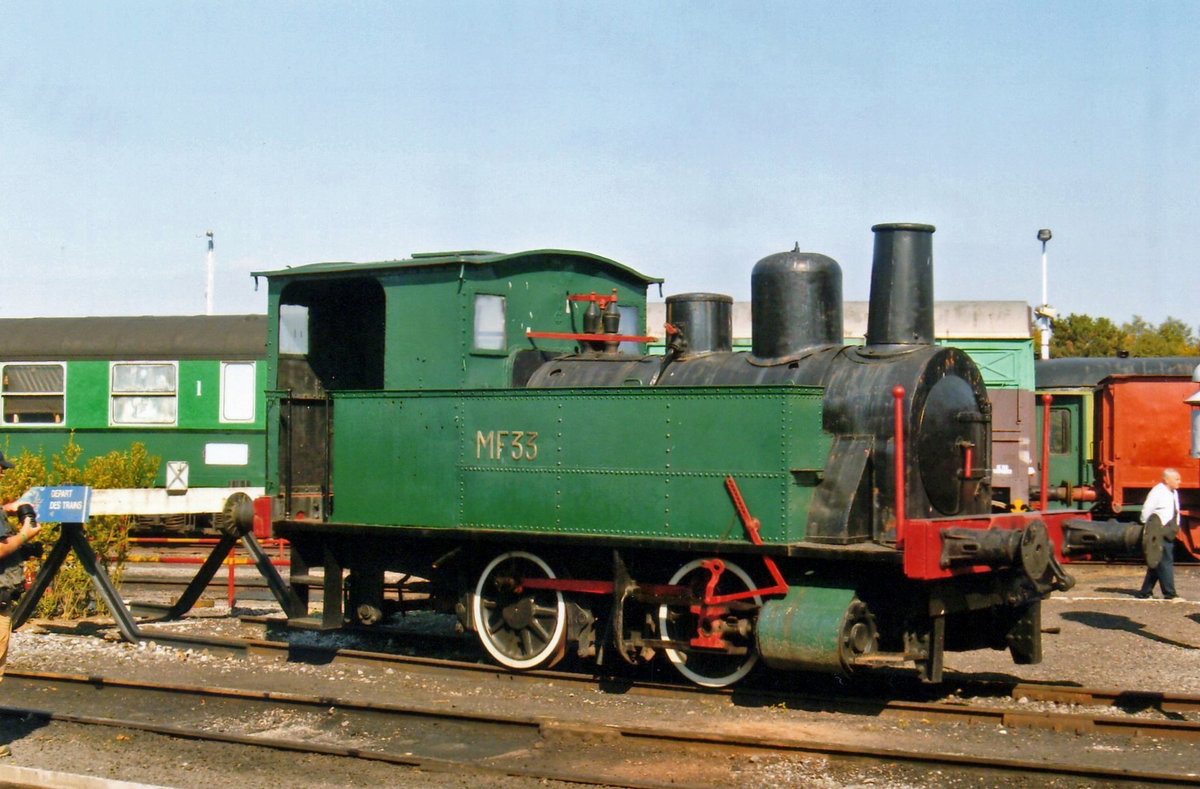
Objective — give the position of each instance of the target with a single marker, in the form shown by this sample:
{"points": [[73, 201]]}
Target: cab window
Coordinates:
{"points": [[630, 326], [489, 322]]}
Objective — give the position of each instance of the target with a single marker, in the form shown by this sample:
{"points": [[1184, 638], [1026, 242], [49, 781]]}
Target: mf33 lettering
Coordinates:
{"points": [[498, 444]]}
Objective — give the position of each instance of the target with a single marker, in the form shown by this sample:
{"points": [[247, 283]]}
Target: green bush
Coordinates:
{"points": [[71, 594]]}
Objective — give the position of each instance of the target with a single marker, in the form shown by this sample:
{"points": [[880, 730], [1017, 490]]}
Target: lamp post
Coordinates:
{"points": [[1045, 313], [209, 266]]}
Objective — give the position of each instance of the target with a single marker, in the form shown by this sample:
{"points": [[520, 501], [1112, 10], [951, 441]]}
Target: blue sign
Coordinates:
{"points": [[60, 504]]}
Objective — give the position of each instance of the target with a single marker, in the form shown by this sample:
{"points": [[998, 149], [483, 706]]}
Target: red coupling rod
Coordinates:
{"points": [[1045, 475], [899, 482]]}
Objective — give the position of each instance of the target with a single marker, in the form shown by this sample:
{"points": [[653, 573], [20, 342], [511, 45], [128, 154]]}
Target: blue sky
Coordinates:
{"points": [[685, 139]]}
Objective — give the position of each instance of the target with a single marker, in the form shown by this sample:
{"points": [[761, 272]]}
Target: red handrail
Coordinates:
{"points": [[1045, 496], [898, 394]]}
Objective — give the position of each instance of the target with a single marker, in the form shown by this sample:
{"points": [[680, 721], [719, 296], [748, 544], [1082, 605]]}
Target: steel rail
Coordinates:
{"points": [[1165, 703], [431, 764], [1100, 697], [660, 737], [428, 764]]}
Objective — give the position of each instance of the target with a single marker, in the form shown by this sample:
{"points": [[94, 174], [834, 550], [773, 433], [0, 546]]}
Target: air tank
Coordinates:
{"points": [[704, 319], [900, 312], [796, 303]]}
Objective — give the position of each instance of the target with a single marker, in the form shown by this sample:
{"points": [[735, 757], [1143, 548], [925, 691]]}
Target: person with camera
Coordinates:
{"points": [[13, 553], [14, 550]]}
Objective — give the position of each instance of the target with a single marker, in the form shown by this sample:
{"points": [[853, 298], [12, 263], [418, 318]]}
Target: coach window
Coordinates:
{"points": [[34, 394], [238, 393], [144, 393], [1060, 431], [489, 323]]}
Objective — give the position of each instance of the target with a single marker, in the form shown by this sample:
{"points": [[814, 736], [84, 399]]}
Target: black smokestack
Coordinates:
{"points": [[901, 309]]}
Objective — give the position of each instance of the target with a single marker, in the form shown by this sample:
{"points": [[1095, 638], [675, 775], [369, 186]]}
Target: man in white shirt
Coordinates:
{"points": [[1163, 501]]}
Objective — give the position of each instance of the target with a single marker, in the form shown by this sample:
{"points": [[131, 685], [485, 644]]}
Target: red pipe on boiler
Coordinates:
{"points": [[898, 394]]}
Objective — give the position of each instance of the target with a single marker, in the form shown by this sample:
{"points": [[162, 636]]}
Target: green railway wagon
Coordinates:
{"points": [[187, 387]]}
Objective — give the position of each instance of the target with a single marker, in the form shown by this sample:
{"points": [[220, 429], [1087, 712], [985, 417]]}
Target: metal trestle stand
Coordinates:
{"points": [[238, 527]]}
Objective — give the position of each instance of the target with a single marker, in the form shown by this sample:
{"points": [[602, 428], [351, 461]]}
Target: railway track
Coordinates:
{"points": [[1172, 707], [1025, 705], [427, 738], [1099, 715], [1119, 712], [1008, 706]]}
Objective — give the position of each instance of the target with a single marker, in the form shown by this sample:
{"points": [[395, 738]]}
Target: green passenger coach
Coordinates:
{"points": [[187, 387]]}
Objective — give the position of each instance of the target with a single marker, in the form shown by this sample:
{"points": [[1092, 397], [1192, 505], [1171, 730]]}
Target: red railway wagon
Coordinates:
{"points": [[1143, 425]]}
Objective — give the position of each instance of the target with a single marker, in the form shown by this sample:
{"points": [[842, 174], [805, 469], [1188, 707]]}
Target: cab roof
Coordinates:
{"points": [[471, 257]]}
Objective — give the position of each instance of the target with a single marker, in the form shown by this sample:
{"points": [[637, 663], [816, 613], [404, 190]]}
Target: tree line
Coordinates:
{"points": [[1083, 335]]}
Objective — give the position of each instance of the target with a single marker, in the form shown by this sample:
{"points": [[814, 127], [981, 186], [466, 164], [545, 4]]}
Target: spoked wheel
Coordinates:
{"points": [[521, 628], [710, 669]]}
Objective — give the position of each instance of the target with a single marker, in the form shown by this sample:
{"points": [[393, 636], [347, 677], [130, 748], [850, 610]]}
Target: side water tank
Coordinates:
{"points": [[796, 303]]}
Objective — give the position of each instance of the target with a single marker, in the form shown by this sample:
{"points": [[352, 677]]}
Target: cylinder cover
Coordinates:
{"points": [[815, 629]]}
